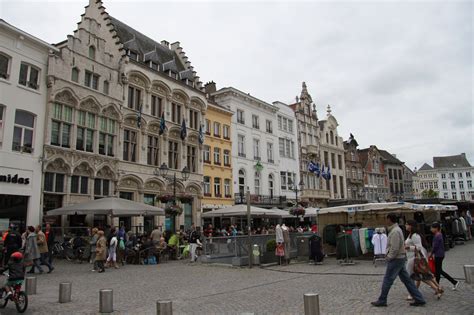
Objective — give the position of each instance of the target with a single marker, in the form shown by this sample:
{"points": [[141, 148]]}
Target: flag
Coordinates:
{"points": [[317, 170], [323, 172], [311, 167], [139, 116], [328, 173], [162, 124], [184, 132], [201, 135]]}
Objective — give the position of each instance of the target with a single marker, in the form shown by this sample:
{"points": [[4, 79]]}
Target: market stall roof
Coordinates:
{"points": [[283, 213], [312, 212], [108, 206], [241, 210]]}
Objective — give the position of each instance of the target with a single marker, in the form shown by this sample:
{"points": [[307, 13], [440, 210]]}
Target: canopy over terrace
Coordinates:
{"points": [[112, 206], [241, 210]]}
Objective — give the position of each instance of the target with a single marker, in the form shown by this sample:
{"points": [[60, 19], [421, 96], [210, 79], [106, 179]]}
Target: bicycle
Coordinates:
{"points": [[18, 296]]}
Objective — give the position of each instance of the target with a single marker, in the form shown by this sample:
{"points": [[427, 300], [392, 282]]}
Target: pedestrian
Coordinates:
{"points": [[50, 238], [32, 254], [437, 251], [100, 251], [43, 248], [414, 246], [396, 265], [121, 239], [156, 234], [93, 246], [12, 243], [194, 242], [112, 257]]}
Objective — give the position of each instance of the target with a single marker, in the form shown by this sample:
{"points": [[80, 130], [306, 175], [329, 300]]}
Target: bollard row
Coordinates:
{"points": [[311, 304]]}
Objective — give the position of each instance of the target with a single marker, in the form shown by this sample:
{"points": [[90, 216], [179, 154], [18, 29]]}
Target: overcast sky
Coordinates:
{"points": [[396, 74]]}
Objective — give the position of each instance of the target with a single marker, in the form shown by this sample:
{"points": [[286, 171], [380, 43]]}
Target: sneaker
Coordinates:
{"points": [[417, 303], [379, 304], [455, 287], [51, 270]]}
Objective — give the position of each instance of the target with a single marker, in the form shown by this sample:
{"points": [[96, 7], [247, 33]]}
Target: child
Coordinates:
{"points": [[16, 272]]}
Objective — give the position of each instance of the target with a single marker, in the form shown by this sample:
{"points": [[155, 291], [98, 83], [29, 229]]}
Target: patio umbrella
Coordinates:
{"points": [[241, 210], [108, 206]]}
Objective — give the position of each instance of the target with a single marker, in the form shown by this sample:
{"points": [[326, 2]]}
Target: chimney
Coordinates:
{"points": [[463, 155], [165, 43], [210, 87], [394, 155]]}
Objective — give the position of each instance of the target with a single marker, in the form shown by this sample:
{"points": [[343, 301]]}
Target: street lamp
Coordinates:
{"points": [[297, 188]]}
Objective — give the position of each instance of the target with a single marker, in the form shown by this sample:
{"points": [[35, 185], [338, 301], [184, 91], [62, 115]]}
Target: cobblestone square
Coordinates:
{"points": [[205, 289]]}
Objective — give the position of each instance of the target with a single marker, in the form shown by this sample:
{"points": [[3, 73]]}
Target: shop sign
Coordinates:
{"points": [[14, 179]]}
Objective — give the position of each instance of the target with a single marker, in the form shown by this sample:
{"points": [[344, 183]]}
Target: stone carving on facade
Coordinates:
{"points": [[65, 97], [153, 185], [129, 183], [111, 112], [106, 172], [158, 87], [137, 80], [193, 189], [90, 105], [83, 169], [58, 165]]}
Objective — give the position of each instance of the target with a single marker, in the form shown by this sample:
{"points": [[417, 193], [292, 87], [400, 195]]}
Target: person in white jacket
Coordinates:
{"points": [[112, 258], [414, 243]]}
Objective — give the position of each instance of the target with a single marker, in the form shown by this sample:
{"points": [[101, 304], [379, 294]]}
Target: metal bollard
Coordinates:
{"points": [[164, 308], [65, 291], [311, 304], [106, 301], [469, 273], [30, 285]]}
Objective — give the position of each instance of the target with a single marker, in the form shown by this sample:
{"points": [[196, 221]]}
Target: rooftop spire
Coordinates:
{"points": [[329, 110]]}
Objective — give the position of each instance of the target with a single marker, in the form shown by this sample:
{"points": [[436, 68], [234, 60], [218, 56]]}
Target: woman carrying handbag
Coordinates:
{"points": [[417, 265]]}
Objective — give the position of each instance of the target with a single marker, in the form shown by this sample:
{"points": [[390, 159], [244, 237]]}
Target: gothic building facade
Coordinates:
{"points": [[354, 170]]}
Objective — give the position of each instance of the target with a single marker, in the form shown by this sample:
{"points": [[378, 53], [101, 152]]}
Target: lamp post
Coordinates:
{"points": [[298, 188], [163, 172]]}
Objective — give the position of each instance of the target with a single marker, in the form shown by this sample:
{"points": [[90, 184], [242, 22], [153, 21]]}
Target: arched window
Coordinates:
{"points": [[241, 182], [257, 183], [106, 87], [332, 137], [75, 74], [92, 52], [271, 185]]}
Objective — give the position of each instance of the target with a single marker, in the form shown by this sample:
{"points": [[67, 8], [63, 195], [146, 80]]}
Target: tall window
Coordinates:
{"points": [[173, 155], [29, 76], [208, 127], [445, 185], [241, 182], [191, 158], [339, 161], [129, 145], [79, 184], [227, 188], [153, 150], [175, 113], [23, 132], [92, 52], [270, 152], [217, 187], [217, 129], [54, 182], [469, 184], [75, 74], [461, 184], [257, 183], [207, 185], [280, 123], [101, 187], [134, 97], [156, 106], [286, 148], [217, 156], [61, 125], [240, 117], [271, 188], [193, 119], [226, 158], [226, 131], [256, 149], [2, 123], [106, 87], [85, 131], [255, 122], [206, 151], [453, 185], [268, 126], [4, 66], [106, 136], [91, 80], [241, 145]]}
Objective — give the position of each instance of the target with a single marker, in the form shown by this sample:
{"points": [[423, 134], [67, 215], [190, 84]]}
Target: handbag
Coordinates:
{"points": [[421, 265], [431, 264], [121, 244], [280, 250]]}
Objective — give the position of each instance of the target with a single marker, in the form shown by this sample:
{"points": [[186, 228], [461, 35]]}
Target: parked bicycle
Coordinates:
{"points": [[18, 297]]}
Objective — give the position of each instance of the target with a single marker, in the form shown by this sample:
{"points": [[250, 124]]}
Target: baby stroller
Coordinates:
{"points": [[315, 249]]}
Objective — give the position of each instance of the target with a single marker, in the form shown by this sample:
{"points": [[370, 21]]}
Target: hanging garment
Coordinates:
{"points": [[345, 247], [368, 239], [315, 248], [363, 244], [279, 234], [330, 234], [379, 241], [463, 224], [287, 243], [355, 240]]}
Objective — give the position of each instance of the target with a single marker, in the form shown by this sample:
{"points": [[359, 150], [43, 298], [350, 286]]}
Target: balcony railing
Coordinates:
{"points": [[260, 199]]}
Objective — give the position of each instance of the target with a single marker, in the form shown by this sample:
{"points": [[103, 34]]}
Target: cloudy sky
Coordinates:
{"points": [[396, 74]]}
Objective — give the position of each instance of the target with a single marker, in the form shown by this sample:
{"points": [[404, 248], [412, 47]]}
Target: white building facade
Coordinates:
{"points": [[254, 145], [23, 94], [288, 153]]}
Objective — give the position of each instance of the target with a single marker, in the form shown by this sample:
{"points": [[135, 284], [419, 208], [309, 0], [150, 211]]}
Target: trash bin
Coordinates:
{"points": [[255, 254], [302, 243]]}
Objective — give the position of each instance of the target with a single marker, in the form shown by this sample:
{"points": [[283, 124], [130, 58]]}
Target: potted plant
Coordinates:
{"points": [[269, 255], [172, 210], [297, 211], [186, 198], [165, 198]]}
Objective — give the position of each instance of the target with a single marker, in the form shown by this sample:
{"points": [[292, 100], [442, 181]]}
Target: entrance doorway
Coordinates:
{"points": [[14, 208]]}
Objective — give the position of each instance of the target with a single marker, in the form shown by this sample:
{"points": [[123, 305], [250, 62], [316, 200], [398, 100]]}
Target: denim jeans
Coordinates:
{"points": [[44, 259], [396, 268]]}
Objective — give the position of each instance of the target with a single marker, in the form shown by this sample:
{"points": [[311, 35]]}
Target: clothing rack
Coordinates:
{"points": [[379, 257], [347, 260]]}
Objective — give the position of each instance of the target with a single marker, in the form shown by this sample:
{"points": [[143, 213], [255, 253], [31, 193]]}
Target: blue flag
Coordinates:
{"points": [[317, 170], [162, 124], [139, 117], [184, 132], [311, 166], [328, 173], [201, 135], [323, 172]]}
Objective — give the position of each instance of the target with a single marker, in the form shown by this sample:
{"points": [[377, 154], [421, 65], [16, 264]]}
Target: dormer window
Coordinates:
{"points": [[133, 55], [92, 52], [154, 65]]}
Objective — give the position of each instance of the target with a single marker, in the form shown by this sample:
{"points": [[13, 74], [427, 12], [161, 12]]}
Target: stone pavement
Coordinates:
{"points": [[204, 289]]}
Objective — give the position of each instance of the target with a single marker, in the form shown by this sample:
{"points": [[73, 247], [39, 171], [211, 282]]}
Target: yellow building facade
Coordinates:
{"points": [[217, 159]]}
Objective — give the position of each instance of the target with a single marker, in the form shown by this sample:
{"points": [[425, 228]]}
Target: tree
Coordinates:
{"points": [[427, 194]]}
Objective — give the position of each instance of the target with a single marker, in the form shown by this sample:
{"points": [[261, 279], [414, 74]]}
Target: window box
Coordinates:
{"points": [[228, 196], [207, 161], [218, 195], [227, 165], [207, 194]]}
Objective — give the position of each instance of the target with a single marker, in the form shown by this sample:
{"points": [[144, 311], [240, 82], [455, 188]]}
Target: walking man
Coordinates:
{"points": [[438, 253], [43, 248], [193, 242], [396, 261]]}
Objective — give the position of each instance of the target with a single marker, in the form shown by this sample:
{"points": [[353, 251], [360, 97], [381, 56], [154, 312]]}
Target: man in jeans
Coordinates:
{"points": [[396, 261], [194, 237]]}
